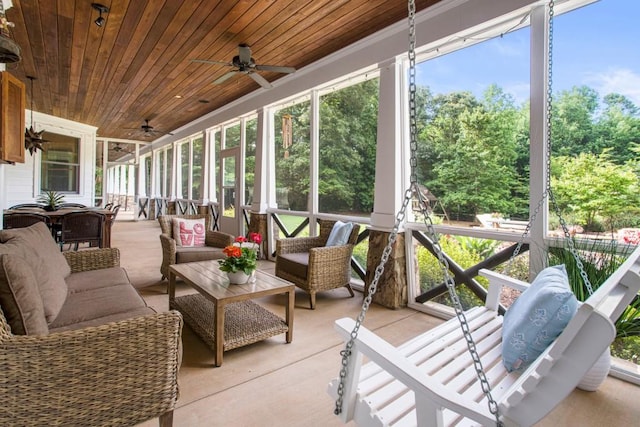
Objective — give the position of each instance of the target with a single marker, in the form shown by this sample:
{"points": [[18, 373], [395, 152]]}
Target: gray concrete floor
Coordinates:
{"points": [[272, 383]]}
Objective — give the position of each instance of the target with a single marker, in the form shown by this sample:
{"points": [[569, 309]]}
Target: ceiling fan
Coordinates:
{"points": [[118, 148], [245, 64], [148, 131]]}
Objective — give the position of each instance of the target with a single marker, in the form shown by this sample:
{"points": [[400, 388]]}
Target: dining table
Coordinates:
{"points": [[55, 217]]}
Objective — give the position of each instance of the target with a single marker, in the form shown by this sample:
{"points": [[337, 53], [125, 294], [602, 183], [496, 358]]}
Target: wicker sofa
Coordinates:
{"points": [[214, 242], [78, 345]]}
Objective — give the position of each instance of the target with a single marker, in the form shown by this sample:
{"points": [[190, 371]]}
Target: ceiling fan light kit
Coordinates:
{"points": [[245, 64]]}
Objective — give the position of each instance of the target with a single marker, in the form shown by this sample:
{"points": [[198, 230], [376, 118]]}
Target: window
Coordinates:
{"points": [[184, 167], [251, 134], [98, 173], [60, 164], [292, 150], [168, 191], [232, 136], [196, 171], [596, 120], [473, 129], [347, 160]]}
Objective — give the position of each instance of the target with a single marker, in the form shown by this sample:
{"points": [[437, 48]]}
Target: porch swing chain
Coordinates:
{"points": [[548, 191], [414, 189]]}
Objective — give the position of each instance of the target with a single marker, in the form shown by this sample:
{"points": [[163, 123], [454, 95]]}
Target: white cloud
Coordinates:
{"points": [[621, 80]]}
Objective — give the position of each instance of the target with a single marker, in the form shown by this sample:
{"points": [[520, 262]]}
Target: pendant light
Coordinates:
{"points": [[33, 140]]}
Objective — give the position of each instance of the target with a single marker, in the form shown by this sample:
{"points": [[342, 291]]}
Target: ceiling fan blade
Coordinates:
{"points": [[244, 54], [260, 80], [206, 61], [224, 78], [276, 69]]}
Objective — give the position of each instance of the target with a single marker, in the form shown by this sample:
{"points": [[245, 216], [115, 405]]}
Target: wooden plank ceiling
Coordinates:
{"points": [[134, 66]]}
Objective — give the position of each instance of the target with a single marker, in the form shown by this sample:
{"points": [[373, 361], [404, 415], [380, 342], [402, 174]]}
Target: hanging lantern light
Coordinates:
{"points": [[33, 140]]}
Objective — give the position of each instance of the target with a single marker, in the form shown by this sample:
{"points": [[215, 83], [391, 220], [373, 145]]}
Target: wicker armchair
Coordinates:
{"points": [[173, 254], [118, 374], [314, 267]]}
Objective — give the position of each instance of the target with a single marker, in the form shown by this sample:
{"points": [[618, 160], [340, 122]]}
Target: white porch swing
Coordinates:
{"points": [[453, 374]]}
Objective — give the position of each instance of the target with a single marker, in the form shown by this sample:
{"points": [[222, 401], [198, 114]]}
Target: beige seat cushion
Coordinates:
{"points": [[94, 279], [205, 253], [20, 298], [97, 303], [295, 263], [37, 247]]}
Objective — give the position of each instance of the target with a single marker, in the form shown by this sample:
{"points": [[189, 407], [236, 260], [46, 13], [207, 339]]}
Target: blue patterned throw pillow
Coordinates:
{"points": [[339, 234], [537, 317]]}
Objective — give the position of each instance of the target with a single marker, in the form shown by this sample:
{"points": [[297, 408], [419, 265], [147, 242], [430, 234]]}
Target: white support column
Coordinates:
{"points": [[131, 185], [212, 179], [390, 181], [538, 138], [206, 168], [269, 151], [261, 178], [243, 166]]}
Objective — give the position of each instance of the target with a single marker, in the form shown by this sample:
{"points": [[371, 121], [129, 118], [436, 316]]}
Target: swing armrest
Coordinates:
{"points": [[496, 282], [426, 388]]}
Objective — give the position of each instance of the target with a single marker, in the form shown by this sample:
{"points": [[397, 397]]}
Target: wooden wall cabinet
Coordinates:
{"points": [[12, 105]]}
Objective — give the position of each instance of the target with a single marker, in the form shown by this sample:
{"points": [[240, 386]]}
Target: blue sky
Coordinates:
{"points": [[596, 45]]}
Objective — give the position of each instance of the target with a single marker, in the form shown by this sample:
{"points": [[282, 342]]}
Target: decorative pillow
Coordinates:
{"points": [[339, 234], [537, 317], [34, 244], [20, 298], [39, 238], [189, 232]]}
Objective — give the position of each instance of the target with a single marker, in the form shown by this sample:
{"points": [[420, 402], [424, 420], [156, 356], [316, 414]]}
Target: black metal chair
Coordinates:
{"points": [[21, 220], [81, 227], [27, 206], [115, 210]]}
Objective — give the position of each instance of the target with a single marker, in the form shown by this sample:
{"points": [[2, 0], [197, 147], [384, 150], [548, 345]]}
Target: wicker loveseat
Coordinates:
{"points": [[313, 266], [214, 242], [78, 345]]}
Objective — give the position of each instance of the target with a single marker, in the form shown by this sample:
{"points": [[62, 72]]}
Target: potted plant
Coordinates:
{"points": [[51, 200], [241, 260], [599, 262]]}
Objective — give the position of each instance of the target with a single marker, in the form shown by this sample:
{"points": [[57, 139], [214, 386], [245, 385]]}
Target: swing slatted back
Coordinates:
{"points": [[430, 380]]}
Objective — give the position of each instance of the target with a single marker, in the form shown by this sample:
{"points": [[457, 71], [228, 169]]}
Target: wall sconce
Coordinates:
{"points": [[102, 9]]}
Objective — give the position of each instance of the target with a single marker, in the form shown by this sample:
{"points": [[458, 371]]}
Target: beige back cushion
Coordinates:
{"points": [[36, 245], [20, 298]]}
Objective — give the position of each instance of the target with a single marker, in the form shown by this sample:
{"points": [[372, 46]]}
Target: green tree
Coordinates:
{"points": [[473, 148], [618, 128], [592, 187], [348, 131], [573, 121]]}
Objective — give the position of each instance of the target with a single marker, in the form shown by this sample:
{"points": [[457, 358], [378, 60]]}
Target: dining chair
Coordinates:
{"points": [[26, 206], [81, 227], [24, 219], [73, 205]]}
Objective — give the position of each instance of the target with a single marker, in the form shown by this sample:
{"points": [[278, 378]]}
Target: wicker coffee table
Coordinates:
{"points": [[222, 310]]}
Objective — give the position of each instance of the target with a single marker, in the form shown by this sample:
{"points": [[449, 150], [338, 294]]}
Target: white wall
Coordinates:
{"points": [[21, 182]]}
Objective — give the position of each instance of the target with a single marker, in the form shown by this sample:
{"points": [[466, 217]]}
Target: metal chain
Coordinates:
{"points": [[548, 191], [413, 189]]}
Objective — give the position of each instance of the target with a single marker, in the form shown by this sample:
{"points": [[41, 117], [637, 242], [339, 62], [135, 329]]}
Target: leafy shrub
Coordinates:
{"points": [[430, 272]]}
